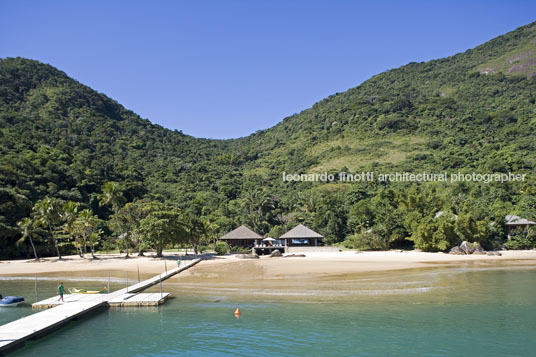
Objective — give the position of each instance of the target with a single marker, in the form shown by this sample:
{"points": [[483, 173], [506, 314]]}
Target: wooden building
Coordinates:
{"points": [[301, 236], [514, 223], [242, 237]]}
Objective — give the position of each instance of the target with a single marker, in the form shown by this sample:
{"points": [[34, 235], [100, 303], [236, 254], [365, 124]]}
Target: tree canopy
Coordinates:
{"points": [[62, 141]]}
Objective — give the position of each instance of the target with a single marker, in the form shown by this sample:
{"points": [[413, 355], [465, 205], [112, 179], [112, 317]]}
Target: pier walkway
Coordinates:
{"points": [[14, 334]]}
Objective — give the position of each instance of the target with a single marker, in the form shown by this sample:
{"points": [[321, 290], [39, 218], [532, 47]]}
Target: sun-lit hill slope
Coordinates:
{"points": [[426, 112], [474, 110]]}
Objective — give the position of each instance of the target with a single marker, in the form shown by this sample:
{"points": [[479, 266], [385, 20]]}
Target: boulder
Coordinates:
{"points": [[247, 256], [294, 256], [276, 253], [466, 247], [478, 249], [456, 250], [240, 252], [493, 253]]}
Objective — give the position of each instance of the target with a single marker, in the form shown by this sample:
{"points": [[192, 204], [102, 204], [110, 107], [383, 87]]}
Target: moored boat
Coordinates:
{"points": [[85, 291], [10, 301]]}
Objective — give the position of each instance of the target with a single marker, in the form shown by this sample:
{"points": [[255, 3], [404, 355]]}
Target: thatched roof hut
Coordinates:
{"points": [[241, 236], [301, 235], [513, 221]]}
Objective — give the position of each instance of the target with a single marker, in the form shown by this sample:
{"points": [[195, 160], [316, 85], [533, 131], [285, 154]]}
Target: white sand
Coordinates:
{"points": [[314, 264]]}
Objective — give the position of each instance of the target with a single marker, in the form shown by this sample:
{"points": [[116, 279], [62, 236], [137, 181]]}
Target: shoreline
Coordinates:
{"points": [[313, 265]]}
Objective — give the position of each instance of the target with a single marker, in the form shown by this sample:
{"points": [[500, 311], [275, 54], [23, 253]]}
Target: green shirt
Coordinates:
{"points": [[60, 289]]}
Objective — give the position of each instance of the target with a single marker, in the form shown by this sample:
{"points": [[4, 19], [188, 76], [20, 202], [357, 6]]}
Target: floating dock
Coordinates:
{"points": [[14, 334], [139, 300], [127, 299], [69, 299]]}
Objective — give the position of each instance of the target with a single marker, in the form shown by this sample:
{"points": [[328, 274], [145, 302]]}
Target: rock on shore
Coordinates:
{"points": [[471, 248]]}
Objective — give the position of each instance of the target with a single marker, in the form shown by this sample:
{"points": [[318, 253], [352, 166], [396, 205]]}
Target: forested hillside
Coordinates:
{"points": [[472, 112]]}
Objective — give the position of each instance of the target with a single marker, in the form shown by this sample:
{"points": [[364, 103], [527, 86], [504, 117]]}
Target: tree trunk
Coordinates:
{"points": [[159, 251], [33, 247], [55, 242], [121, 232], [93, 252]]}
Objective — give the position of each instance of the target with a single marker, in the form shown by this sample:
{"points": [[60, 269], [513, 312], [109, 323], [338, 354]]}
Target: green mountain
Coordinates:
{"points": [[472, 112]]}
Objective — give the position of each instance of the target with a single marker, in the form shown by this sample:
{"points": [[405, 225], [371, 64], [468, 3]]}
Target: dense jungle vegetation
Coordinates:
{"points": [[79, 171]]}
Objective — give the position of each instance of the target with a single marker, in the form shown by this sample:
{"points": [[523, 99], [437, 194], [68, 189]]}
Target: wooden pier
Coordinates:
{"points": [[14, 334]]}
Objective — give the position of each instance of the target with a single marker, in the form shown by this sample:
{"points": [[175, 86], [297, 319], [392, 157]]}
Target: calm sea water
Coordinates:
{"points": [[457, 311]]}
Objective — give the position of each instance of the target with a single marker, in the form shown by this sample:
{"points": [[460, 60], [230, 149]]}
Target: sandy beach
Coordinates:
{"points": [[319, 276], [313, 265]]}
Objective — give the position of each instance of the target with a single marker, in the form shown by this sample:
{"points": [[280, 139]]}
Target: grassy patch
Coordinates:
{"points": [[354, 154], [518, 61]]}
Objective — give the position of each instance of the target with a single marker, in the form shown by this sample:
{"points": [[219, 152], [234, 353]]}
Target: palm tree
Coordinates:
{"points": [[46, 215], [310, 203], [93, 239], [210, 231], [68, 214], [85, 226], [112, 195], [259, 205], [27, 229], [129, 217]]}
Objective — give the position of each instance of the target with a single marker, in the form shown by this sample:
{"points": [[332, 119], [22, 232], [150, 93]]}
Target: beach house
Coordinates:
{"points": [[301, 236], [241, 237], [515, 223]]}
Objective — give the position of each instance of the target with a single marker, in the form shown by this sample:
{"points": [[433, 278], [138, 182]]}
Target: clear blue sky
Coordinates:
{"points": [[224, 69]]}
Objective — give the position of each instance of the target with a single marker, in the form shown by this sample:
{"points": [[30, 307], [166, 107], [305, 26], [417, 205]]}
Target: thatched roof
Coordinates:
{"points": [[513, 220], [300, 231], [241, 232]]}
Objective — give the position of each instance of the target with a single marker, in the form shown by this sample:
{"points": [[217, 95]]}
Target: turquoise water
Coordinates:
{"points": [[455, 312]]}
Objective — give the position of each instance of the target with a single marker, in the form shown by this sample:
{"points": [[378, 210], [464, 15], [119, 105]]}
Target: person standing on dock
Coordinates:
{"points": [[60, 292]]}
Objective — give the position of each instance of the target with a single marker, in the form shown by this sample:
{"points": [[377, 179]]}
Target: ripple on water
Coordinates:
{"points": [[477, 313]]}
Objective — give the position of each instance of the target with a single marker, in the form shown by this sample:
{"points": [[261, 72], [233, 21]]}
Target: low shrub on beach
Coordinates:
{"points": [[221, 248], [367, 241], [520, 242]]}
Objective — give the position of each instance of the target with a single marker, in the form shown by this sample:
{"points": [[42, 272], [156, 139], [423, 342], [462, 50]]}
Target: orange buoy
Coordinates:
{"points": [[237, 312]]}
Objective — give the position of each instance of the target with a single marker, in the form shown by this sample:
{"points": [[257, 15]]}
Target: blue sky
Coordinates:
{"points": [[225, 69]]}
